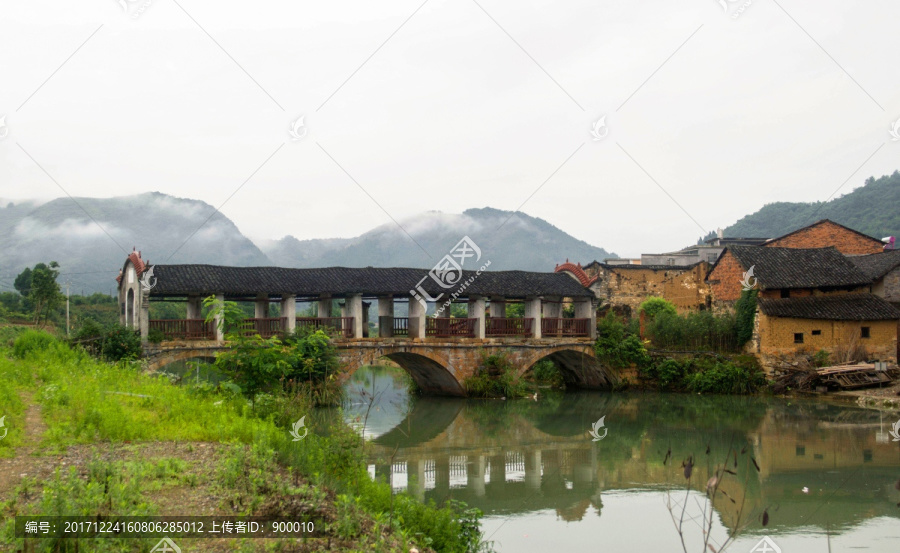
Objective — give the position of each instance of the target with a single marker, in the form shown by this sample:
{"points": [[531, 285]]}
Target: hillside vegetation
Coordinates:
{"points": [[870, 209]]}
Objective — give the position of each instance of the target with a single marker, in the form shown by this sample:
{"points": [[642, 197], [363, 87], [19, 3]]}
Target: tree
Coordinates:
{"points": [[22, 284], [45, 294]]}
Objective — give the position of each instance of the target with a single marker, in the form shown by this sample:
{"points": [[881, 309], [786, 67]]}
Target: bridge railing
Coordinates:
{"points": [[184, 329], [265, 327], [508, 326], [560, 328], [445, 327], [399, 325], [340, 325]]}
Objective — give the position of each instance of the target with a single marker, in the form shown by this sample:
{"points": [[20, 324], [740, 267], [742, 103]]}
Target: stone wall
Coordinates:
{"points": [[826, 233], [625, 287]]}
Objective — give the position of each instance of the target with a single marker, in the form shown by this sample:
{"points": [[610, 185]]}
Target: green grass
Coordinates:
{"points": [[84, 400]]}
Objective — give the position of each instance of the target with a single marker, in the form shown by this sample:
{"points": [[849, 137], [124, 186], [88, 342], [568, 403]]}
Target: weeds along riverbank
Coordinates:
{"points": [[89, 437]]}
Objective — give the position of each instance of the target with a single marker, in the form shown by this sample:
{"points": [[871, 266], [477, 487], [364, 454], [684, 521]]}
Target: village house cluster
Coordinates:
{"points": [[822, 287]]}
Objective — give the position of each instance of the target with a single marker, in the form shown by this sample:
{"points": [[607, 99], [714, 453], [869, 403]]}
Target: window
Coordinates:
{"points": [[816, 332], [670, 261], [798, 337], [785, 293], [867, 456], [801, 451], [712, 257], [864, 332]]}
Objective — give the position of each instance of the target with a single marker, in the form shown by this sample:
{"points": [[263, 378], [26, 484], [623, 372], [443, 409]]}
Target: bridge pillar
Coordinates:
{"points": [[585, 309], [385, 316], [324, 306], [498, 307], [194, 308], [220, 322], [354, 307], [416, 319], [533, 469], [261, 310], [475, 474], [289, 311], [476, 311], [533, 311], [552, 308]]}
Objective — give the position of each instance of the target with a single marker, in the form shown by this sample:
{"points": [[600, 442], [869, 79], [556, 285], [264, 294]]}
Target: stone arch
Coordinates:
{"points": [[429, 371], [579, 367], [163, 358]]}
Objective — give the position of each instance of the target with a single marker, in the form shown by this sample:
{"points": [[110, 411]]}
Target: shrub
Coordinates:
{"points": [[256, 364], [820, 359], [725, 378], [496, 376], [121, 343], [89, 329], [31, 342], [615, 347], [745, 313], [546, 372], [694, 331], [652, 307]]}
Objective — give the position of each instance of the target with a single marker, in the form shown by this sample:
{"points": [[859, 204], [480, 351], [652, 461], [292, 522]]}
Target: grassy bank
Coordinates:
{"points": [[107, 417]]}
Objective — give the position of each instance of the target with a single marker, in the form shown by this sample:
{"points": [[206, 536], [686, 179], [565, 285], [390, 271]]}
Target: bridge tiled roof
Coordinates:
{"points": [[180, 280]]}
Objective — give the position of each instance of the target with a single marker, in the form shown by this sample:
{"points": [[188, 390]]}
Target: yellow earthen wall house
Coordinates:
{"points": [[780, 335]]}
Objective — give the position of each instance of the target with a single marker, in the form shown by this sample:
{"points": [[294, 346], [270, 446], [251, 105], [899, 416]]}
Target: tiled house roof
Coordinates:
{"points": [[776, 268], [820, 222], [876, 265], [843, 307], [139, 264], [174, 280]]}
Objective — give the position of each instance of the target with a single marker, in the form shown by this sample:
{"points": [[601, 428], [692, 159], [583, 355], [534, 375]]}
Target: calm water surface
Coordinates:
{"points": [[544, 485]]}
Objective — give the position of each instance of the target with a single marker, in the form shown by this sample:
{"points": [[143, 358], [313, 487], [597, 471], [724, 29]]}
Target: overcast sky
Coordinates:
{"points": [[711, 112]]}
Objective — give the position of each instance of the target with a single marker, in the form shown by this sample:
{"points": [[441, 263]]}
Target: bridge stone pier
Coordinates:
{"points": [[434, 324]]}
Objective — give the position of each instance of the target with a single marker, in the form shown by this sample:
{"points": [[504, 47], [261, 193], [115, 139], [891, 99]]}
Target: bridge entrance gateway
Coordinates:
{"points": [[438, 352]]}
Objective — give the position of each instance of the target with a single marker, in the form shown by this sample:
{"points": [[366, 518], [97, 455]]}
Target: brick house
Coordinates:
{"points": [[809, 300], [884, 271], [826, 233], [624, 287], [784, 272]]}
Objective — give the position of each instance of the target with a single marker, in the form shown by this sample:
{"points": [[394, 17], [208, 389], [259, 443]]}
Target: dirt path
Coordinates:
{"points": [[23, 464]]}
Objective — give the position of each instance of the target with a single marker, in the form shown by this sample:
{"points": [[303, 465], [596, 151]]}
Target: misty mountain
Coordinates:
{"points": [[89, 256], [870, 209], [509, 241]]}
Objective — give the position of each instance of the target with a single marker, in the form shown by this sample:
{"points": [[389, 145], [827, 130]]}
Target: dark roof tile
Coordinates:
{"points": [[798, 268], [842, 307]]}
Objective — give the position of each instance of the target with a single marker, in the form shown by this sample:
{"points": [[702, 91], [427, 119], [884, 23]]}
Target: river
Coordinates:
{"points": [[826, 477]]}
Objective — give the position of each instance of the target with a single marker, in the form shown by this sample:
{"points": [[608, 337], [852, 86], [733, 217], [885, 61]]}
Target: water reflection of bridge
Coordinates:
{"points": [[522, 456]]}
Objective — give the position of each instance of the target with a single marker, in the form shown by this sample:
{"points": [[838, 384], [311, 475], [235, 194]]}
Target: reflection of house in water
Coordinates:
{"points": [[524, 460]]}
